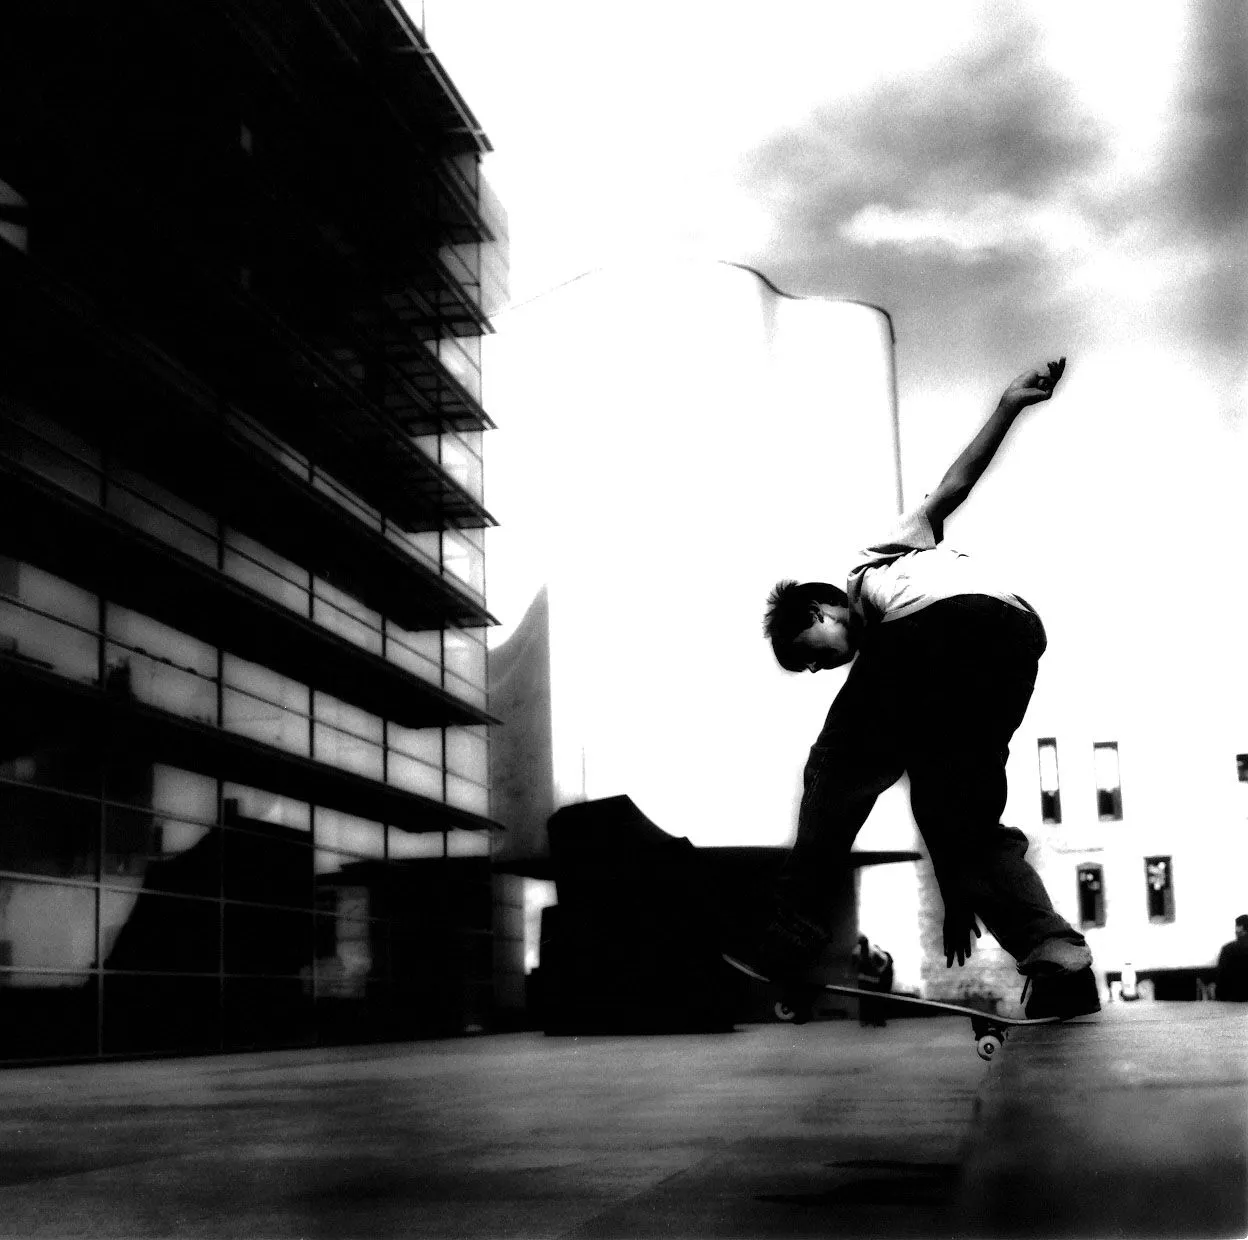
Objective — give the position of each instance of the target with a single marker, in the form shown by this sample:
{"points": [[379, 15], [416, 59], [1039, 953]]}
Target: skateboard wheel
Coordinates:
{"points": [[988, 1045], [794, 1015]]}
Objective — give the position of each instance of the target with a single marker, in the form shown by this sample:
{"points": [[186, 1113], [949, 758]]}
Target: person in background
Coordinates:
{"points": [[874, 967], [1232, 980]]}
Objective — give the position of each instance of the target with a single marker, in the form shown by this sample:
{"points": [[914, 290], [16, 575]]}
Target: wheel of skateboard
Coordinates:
{"points": [[793, 1013], [988, 1045]]}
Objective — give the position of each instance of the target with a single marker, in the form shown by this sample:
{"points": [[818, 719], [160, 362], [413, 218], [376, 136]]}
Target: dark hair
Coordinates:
{"points": [[1242, 919], [792, 607]]}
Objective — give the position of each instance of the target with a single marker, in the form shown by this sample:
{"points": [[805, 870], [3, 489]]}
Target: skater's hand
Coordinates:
{"points": [[1034, 386], [958, 926]]}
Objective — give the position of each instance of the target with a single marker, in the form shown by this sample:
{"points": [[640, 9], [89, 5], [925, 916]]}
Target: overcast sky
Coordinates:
{"points": [[1006, 178], [1010, 181]]}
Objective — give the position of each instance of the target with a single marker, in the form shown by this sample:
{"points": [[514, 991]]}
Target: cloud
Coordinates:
{"points": [[955, 197], [1205, 197], [984, 225], [993, 214]]}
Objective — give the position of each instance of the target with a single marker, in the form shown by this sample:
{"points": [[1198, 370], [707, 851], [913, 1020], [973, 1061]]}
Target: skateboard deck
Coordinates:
{"points": [[797, 1002]]}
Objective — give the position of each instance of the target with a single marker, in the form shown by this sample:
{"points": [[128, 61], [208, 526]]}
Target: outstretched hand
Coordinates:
{"points": [[1035, 385], [958, 926]]}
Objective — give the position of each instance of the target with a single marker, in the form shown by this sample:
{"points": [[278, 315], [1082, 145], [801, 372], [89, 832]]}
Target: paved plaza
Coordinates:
{"points": [[824, 1130]]}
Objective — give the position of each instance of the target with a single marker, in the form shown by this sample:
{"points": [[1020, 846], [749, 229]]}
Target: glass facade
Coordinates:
{"points": [[243, 767], [148, 908]]}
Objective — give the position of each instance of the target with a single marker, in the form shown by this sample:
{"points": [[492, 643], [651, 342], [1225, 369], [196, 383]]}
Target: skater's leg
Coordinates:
{"points": [[854, 759], [987, 667]]}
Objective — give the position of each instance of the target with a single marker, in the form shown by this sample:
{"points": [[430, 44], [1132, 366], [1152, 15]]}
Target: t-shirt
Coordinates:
{"points": [[908, 571]]}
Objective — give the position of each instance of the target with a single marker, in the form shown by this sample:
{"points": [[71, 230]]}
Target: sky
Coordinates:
{"points": [[1012, 182], [1006, 178]]}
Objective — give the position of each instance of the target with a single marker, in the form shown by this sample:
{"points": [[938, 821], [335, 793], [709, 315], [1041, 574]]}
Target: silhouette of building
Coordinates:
{"points": [[247, 257]]}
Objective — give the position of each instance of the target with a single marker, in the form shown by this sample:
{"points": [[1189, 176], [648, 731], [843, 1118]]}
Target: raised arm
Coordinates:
{"points": [[964, 473]]}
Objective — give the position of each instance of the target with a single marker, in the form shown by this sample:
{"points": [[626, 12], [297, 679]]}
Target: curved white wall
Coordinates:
{"points": [[673, 439]]}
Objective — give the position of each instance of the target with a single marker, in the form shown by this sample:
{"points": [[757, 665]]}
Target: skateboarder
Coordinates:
{"points": [[946, 659], [874, 967]]}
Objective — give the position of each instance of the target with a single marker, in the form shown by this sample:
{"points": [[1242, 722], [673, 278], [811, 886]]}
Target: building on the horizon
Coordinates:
{"points": [[247, 257]]}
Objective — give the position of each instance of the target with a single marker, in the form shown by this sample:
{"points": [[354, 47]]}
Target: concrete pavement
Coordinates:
{"points": [[1121, 1125], [1131, 1123], [771, 1131]]}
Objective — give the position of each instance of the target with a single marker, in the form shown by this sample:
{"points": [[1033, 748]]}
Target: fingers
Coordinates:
{"points": [[1048, 381]]}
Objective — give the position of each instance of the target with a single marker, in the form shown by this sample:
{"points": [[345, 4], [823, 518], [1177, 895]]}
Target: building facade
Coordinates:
{"points": [[247, 257]]}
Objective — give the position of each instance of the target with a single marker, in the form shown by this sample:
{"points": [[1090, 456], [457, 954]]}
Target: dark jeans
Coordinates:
{"points": [[937, 695]]}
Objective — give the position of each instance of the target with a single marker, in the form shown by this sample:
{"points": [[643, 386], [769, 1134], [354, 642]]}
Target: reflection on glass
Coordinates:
{"points": [[409, 845], [264, 806], [146, 932], [43, 832], [47, 925], [467, 844], [269, 864], [347, 833]]}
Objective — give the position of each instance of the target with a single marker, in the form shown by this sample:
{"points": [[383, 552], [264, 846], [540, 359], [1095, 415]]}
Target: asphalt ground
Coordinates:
{"points": [[826, 1129], [1129, 1123]]}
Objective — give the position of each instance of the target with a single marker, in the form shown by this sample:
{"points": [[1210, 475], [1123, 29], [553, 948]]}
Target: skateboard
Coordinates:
{"points": [[796, 1004]]}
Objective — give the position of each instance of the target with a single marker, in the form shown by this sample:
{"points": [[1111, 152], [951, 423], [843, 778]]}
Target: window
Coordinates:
{"points": [[1108, 781], [1091, 896], [1159, 876], [1050, 792]]}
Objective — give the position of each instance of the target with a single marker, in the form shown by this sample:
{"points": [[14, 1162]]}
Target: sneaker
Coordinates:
{"points": [[790, 947], [1061, 994]]}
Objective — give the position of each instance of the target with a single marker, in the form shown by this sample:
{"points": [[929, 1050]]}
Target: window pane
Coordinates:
{"points": [[266, 940], [266, 572], [1050, 795], [161, 933], [1091, 896], [413, 776], [184, 794], [467, 843], [1159, 877], [463, 560], [165, 854], [467, 753], [174, 689], [264, 806], [158, 641], [269, 868], [341, 614], [47, 926], [348, 737], [44, 833], [465, 795], [346, 833], [1108, 784], [418, 653], [47, 1015], [407, 845], [49, 643]]}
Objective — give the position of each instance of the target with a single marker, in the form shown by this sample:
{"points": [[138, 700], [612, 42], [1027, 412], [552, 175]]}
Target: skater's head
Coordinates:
{"points": [[1241, 926], [810, 626]]}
